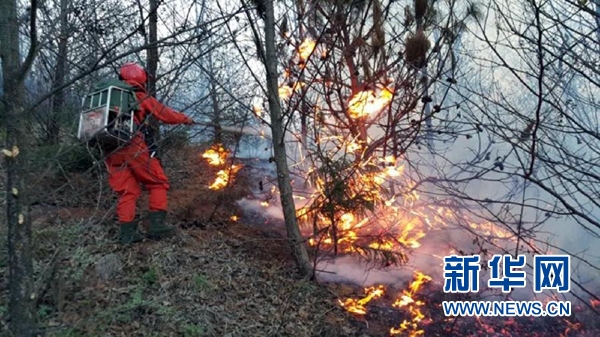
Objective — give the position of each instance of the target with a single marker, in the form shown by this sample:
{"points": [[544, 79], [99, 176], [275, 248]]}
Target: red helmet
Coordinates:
{"points": [[133, 73]]}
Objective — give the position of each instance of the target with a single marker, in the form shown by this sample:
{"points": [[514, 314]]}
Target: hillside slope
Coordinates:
{"points": [[218, 277]]}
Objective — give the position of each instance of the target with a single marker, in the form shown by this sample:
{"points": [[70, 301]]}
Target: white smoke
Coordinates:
{"points": [[260, 131], [428, 257], [272, 211]]}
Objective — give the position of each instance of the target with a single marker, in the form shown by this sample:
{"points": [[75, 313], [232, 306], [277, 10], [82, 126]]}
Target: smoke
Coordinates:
{"points": [[260, 131], [428, 258], [556, 235], [350, 269], [255, 207], [253, 147]]}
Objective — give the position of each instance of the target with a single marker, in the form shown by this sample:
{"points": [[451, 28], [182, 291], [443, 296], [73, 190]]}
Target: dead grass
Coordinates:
{"points": [[225, 282], [216, 278]]}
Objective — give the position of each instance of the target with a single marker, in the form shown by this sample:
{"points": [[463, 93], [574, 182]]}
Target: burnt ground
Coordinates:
{"points": [[217, 277]]}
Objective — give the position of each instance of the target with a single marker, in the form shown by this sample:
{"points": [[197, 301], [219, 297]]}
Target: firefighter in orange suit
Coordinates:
{"points": [[135, 165]]}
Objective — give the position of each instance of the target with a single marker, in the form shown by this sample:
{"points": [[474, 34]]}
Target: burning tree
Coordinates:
{"points": [[365, 89], [356, 91]]}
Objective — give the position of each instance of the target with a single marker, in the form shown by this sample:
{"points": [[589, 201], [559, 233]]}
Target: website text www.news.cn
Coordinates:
{"points": [[550, 272], [507, 308]]}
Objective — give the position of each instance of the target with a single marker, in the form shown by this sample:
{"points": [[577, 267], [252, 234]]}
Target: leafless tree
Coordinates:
{"points": [[526, 118], [90, 43]]}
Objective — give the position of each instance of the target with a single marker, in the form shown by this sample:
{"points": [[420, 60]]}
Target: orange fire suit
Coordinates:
{"points": [[132, 165]]}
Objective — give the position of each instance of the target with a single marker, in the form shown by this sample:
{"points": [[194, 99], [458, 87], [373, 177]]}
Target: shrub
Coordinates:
{"points": [[59, 158], [174, 138]]}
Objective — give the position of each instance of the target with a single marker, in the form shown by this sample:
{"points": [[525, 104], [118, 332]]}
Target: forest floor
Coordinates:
{"points": [[217, 277]]}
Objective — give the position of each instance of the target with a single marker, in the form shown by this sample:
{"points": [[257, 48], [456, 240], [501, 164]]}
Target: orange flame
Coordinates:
{"points": [[306, 48], [366, 103], [286, 91], [407, 329], [413, 288], [358, 306], [257, 109], [411, 328], [397, 221], [394, 224], [215, 155], [223, 177], [394, 227], [353, 146]]}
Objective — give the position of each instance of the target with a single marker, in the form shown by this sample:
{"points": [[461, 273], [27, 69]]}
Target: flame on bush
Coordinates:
{"points": [[215, 155], [287, 90], [224, 176], [389, 228], [306, 48], [352, 210], [368, 102], [386, 225]]}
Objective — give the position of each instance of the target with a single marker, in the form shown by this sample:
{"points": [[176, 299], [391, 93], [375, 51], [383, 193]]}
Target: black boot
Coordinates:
{"points": [[158, 229], [129, 233]]}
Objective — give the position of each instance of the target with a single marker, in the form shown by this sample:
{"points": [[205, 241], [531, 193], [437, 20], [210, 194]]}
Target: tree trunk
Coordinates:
{"points": [[304, 105], [277, 130], [58, 99], [152, 53], [424, 80], [216, 117], [20, 265], [216, 120], [597, 10]]}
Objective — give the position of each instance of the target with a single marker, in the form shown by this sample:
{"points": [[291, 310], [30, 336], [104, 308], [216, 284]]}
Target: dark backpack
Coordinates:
{"points": [[107, 115]]}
